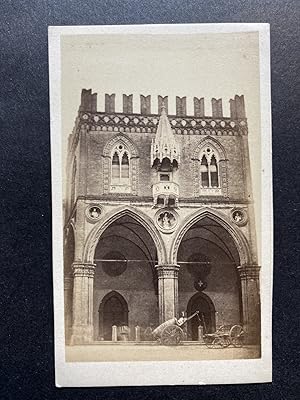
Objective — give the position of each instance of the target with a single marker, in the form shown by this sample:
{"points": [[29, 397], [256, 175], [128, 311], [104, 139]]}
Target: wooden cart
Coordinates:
{"points": [[225, 336], [170, 333]]}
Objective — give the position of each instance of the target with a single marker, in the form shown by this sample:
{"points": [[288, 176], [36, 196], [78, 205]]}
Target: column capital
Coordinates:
{"points": [[83, 269], [249, 271], [167, 270]]}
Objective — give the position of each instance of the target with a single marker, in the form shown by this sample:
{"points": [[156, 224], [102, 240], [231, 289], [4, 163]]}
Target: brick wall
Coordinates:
{"points": [[96, 140]]}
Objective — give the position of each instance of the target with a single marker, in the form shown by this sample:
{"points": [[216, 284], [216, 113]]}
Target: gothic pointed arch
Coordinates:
{"points": [[140, 217], [210, 168], [120, 166], [239, 239], [113, 310]]}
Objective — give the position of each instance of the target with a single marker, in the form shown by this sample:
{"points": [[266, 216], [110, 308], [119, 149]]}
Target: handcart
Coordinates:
{"points": [[225, 336], [170, 333]]}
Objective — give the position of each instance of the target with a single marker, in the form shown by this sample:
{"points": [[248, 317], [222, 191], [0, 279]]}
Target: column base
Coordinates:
{"points": [[82, 334]]}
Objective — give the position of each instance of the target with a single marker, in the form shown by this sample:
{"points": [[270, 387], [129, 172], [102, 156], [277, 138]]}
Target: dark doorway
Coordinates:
{"points": [[202, 303], [113, 310]]}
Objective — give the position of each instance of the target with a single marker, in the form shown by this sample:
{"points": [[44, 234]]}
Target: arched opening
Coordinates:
{"points": [[204, 172], [208, 259], [125, 257], [161, 200], [202, 303], [113, 310], [214, 172]]}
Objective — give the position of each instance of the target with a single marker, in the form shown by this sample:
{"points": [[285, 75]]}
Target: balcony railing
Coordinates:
{"points": [[165, 188]]}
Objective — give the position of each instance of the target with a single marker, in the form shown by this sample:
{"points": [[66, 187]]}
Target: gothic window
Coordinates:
{"points": [[120, 165], [209, 170]]}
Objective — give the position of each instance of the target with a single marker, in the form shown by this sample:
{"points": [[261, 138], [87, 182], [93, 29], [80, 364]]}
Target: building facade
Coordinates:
{"points": [[159, 219]]}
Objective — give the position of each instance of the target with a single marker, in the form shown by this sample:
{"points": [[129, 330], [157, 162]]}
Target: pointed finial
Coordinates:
{"points": [[163, 108]]}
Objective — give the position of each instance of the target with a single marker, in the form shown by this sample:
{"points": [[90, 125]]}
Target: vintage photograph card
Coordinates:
{"points": [[162, 204]]}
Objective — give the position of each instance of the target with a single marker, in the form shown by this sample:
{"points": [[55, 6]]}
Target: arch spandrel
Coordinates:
{"points": [[140, 217], [237, 236]]}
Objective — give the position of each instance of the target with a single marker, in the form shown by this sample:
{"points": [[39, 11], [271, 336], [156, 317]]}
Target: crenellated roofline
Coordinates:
{"points": [[89, 118]]}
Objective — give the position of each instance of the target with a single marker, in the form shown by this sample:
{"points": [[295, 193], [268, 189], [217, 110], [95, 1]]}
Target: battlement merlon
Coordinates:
{"points": [[237, 105]]}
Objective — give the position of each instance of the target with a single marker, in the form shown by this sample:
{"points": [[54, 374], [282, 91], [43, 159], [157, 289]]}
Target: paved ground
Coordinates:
{"points": [[110, 352]]}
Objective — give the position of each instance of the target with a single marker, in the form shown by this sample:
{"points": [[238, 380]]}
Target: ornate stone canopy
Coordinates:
{"points": [[164, 145]]}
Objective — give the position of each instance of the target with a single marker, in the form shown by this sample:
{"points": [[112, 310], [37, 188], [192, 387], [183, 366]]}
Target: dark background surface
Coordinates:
{"points": [[27, 370]]}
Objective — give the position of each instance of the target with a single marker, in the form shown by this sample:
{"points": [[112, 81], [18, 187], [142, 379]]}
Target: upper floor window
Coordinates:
{"points": [[209, 168], [120, 167]]}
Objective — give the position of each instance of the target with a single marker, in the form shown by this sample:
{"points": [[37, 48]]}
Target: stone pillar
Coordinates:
{"points": [[83, 285], [167, 291], [137, 333], [200, 334], [249, 275], [68, 286], [114, 333]]}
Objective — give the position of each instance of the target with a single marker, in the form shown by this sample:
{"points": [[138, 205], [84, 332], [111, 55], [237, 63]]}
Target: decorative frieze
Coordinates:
{"points": [[137, 123]]}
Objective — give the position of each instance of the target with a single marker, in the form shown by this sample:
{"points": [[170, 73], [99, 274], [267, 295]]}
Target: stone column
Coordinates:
{"points": [[249, 275], [83, 285], [167, 291], [68, 286]]}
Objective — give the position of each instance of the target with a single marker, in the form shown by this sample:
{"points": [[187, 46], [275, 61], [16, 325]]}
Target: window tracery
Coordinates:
{"points": [[120, 169], [209, 171], [120, 165], [210, 168]]}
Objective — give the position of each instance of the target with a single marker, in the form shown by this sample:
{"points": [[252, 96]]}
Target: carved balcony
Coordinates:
{"points": [[165, 194]]}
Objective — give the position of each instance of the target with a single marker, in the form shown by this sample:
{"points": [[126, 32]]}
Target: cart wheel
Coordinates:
{"points": [[237, 335], [226, 341], [208, 340], [218, 343], [171, 335]]}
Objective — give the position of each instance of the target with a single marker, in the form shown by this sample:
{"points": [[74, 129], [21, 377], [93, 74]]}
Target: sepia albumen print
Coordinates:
{"points": [[162, 214]]}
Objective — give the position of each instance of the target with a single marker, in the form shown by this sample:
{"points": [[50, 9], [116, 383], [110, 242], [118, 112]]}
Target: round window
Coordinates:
{"points": [[114, 263]]}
